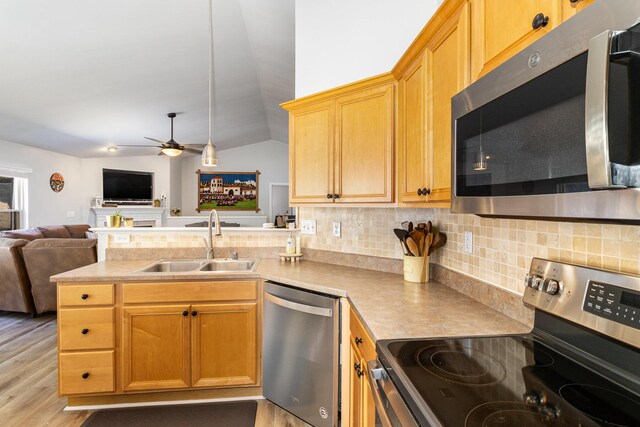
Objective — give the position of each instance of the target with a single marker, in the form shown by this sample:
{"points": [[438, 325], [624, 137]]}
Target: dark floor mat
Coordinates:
{"points": [[222, 414]]}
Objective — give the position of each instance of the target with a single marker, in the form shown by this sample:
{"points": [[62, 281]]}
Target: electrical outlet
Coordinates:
{"points": [[335, 229], [468, 242], [71, 214], [121, 238], [308, 226]]}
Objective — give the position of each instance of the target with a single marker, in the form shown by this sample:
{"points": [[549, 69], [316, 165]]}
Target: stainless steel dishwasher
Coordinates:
{"points": [[300, 353]]}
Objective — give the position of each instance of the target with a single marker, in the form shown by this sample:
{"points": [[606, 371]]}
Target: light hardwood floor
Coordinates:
{"points": [[29, 383]]}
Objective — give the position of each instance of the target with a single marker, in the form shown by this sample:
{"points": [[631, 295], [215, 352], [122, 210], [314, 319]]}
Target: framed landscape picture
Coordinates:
{"points": [[231, 191]]}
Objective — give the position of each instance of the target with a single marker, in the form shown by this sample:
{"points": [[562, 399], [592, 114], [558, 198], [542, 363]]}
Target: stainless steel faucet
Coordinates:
{"points": [[218, 232]]}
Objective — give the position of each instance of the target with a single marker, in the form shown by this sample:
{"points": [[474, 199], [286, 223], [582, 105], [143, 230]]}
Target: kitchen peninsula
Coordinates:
{"points": [[387, 307]]}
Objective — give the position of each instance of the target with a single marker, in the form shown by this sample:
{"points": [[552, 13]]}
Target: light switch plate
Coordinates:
{"points": [[468, 242], [308, 226], [71, 214], [336, 229], [121, 238]]}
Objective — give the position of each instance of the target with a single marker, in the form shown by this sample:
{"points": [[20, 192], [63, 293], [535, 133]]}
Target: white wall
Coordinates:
{"points": [[339, 42], [175, 186], [269, 157], [45, 206]]}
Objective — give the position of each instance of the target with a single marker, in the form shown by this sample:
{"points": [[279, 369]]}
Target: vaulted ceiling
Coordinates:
{"points": [[79, 75]]}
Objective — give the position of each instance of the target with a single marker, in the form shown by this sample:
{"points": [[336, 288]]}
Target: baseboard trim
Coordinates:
{"points": [[159, 403]]}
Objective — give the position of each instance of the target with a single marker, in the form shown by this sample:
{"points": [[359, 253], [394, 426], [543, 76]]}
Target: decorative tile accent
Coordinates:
{"points": [[502, 248]]}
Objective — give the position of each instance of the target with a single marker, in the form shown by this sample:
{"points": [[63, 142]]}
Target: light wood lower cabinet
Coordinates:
{"points": [[156, 347], [187, 335], [362, 410], [224, 345]]}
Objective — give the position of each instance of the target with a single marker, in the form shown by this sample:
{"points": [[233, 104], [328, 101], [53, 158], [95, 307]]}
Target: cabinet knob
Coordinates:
{"points": [[329, 196], [360, 373], [85, 375], [185, 313], [84, 296], [574, 1], [356, 366], [336, 196], [194, 313], [539, 21], [358, 341], [85, 331], [426, 191]]}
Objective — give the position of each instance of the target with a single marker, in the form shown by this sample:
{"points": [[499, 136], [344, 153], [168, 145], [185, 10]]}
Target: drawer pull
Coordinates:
{"points": [[185, 313], [85, 331], [358, 341], [194, 313], [84, 296], [85, 375], [539, 21]]}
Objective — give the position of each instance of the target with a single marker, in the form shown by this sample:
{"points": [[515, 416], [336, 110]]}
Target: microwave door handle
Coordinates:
{"points": [[376, 375], [596, 112]]}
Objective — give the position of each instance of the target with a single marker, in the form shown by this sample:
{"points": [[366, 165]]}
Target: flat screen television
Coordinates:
{"points": [[119, 185]]}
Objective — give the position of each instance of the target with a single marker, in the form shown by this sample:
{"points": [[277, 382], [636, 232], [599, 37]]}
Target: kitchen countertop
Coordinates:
{"points": [[389, 306]]}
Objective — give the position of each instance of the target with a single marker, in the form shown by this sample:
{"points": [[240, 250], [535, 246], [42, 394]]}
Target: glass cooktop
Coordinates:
{"points": [[504, 381]]}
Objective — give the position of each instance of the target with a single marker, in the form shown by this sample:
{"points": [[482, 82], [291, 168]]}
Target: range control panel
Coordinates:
{"points": [[614, 303]]}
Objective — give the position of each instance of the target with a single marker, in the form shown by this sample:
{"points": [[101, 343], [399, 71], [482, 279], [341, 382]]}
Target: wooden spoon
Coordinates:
{"points": [[412, 245], [418, 237], [439, 241]]}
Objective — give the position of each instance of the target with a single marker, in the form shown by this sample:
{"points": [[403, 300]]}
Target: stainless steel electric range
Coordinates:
{"points": [[580, 366]]}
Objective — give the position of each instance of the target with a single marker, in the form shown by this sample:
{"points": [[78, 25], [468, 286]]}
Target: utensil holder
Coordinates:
{"points": [[416, 269]]}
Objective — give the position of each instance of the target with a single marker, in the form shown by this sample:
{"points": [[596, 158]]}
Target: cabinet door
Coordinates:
{"points": [[502, 29], [447, 57], [412, 138], [156, 347], [311, 133], [368, 404], [569, 8], [355, 386], [364, 146], [224, 345]]}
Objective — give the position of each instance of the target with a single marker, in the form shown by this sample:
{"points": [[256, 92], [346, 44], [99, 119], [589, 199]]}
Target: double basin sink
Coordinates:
{"points": [[201, 265]]}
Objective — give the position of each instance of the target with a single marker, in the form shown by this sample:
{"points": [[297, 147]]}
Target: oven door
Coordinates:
{"points": [[543, 132], [391, 411]]}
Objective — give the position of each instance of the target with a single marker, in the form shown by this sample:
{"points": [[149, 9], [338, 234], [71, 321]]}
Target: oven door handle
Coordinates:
{"points": [[377, 373], [597, 112]]}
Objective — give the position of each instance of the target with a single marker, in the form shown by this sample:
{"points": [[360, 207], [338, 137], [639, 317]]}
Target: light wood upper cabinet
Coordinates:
{"points": [[412, 137], [448, 63], [502, 29], [311, 136], [341, 144], [425, 91], [569, 8], [364, 146], [156, 347], [224, 345]]}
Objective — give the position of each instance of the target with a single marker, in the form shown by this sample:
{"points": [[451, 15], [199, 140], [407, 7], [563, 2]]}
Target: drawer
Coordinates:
{"points": [[86, 328], [89, 372], [358, 332], [85, 294], [189, 292]]}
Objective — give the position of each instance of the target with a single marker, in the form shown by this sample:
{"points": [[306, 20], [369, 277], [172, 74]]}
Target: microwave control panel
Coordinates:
{"points": [[611, 302]]}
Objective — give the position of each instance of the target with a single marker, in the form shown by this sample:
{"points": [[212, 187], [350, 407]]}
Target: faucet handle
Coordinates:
{"points": [[206, 243]]}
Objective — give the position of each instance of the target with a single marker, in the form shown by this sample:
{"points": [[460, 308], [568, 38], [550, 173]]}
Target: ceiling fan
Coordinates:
{"points": [[171, 147]]}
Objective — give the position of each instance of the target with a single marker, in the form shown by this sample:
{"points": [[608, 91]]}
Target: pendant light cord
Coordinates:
{"points": [[210, 65]]}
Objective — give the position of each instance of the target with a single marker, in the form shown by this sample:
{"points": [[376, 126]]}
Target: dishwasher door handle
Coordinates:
{"points": [[309, 309]]}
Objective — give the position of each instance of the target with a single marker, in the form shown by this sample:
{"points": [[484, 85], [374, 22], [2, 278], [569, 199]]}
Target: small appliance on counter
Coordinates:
{"points": [[578, 367]]}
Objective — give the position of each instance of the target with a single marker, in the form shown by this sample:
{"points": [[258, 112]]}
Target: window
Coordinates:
{"points": [[6, 192]]}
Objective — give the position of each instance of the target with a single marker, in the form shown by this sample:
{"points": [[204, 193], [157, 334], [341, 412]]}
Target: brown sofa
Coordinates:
{"points": [[15, 288], [52, 250]]}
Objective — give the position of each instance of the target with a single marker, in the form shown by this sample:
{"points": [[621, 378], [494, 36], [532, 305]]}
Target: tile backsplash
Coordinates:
{"points": [[196, 239], [502, 248]]}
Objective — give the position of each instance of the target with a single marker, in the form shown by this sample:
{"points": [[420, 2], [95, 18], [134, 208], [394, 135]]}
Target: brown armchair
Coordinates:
{"points": [[15, 288], [47, 257]]}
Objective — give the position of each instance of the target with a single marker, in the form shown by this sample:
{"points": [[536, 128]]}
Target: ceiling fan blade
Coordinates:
{"points": [[192, 150], [196, 146], [153, 139], [144, 146], [161, 154]]}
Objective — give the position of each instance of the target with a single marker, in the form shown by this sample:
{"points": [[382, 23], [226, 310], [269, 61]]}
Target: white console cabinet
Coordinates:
{"points": [[143, 216]]}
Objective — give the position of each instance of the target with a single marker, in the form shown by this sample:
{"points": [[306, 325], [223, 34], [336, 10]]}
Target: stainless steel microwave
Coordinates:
{"points": [[554, 132]]}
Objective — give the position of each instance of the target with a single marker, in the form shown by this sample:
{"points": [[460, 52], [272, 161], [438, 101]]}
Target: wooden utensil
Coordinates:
{"points": [[439, 241], [418, 237], [412, 245]]}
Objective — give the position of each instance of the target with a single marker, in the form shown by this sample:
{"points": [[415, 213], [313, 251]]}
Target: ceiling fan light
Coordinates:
{"points": [[173, 152], [209, 155]]}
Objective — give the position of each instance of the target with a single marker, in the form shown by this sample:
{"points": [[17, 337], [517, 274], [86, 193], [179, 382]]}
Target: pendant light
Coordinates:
{"points": [[481, 159], [209, 152]]}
